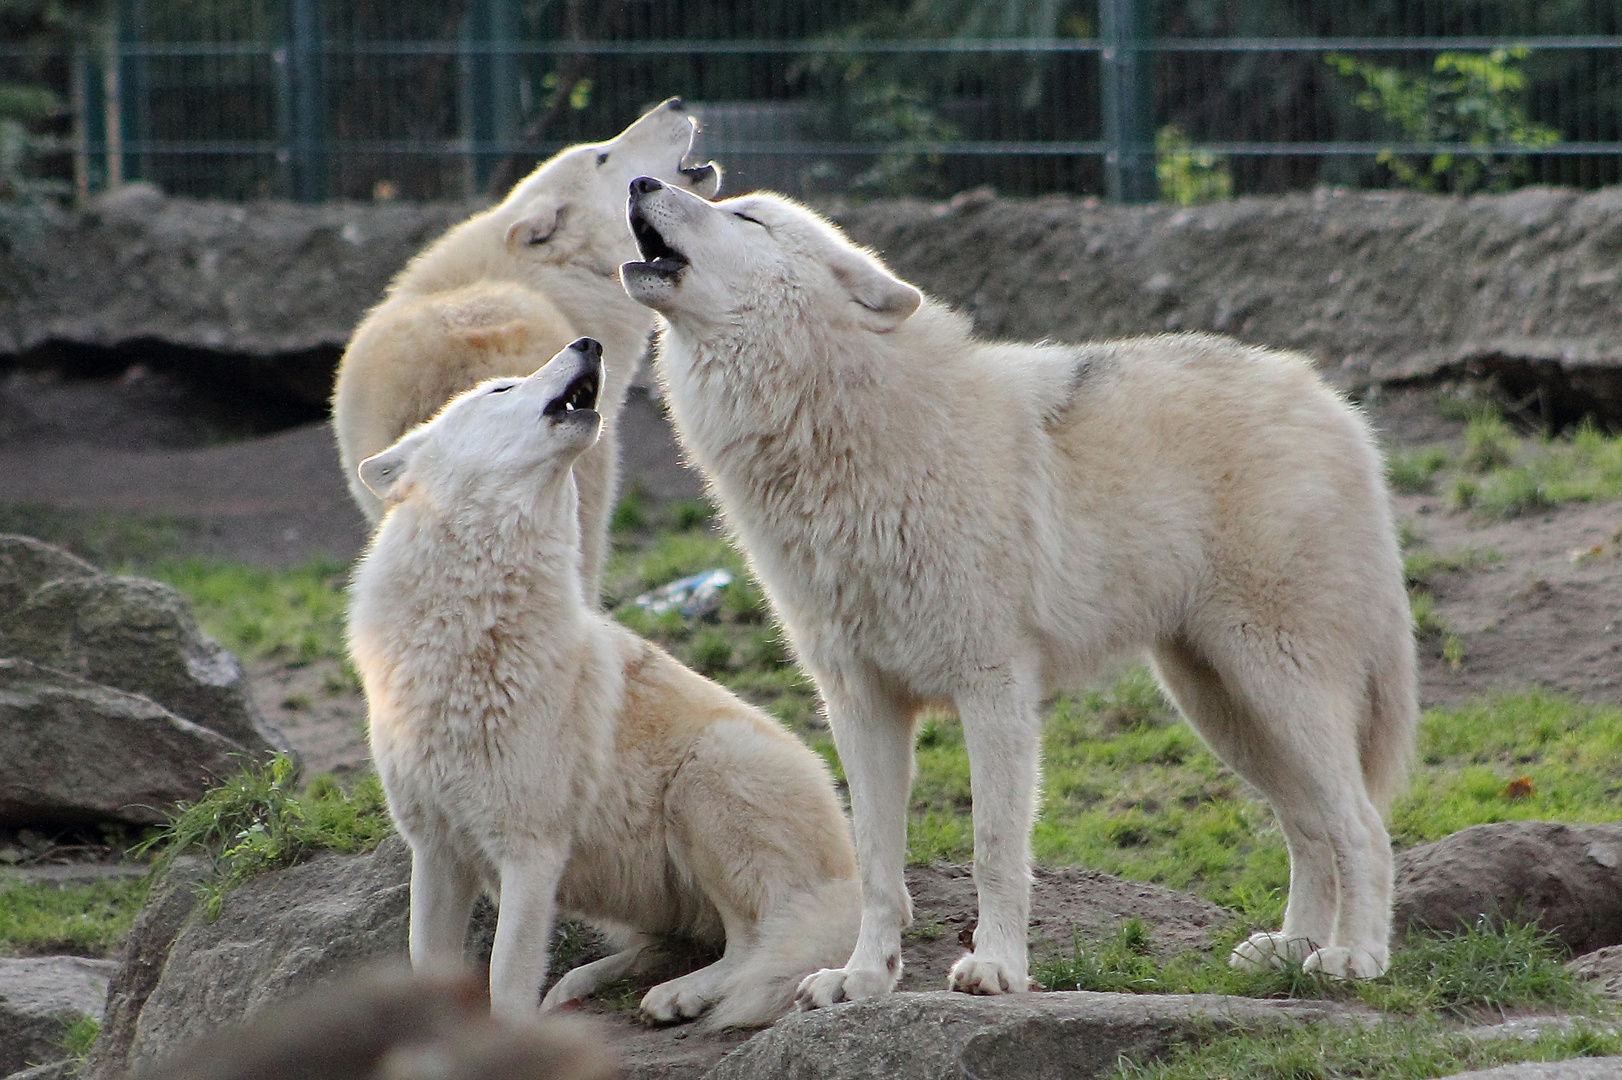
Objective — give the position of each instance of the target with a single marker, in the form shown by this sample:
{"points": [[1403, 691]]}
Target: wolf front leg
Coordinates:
{"points": [[873, 733], [1002, 731], [519, 958], [442, 895]]}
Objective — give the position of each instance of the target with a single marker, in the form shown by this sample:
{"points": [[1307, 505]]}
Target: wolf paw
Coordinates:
{"points": [[974, 975], [830, 985], [669, 1002], [1268, 949], [1342, 963]]}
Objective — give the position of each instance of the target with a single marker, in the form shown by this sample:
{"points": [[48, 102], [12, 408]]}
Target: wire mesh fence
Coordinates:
{"points": [[317, 99]]}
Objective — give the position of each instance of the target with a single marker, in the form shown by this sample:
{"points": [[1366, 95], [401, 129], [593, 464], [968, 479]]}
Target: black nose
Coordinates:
{"points": [[645, 185], [675, 104], [590, 346]]}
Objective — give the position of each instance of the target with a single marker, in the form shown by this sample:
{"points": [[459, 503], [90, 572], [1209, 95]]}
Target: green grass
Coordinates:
{"points": [[1474, 972], [1390, 1050], [78, 1036], [40, 918], [1499, 473], [258, 821], [737, 645], [1130, 789], [294, 615]]}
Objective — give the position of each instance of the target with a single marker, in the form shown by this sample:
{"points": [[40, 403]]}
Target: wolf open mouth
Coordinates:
{"points": [[657, 254], [580, 396]]}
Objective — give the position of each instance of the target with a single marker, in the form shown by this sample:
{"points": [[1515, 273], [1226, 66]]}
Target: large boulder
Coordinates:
{"points": [[74, 750], [1566, 878], [26, 564], [185, 976], [139, 636], [946, 1036], [39, 998]]}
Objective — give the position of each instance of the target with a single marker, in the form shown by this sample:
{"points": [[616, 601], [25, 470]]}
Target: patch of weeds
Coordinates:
{"points": [[924, 930], [40, 918], [1391, 1050], [711, 651], [1489, 442], [1413, 472], [1432, 630], [1421, 565], [78, 1036], [631, 512], [256, 822], [294, 615], [1480, 969], [101, 538], [1501, 474]]}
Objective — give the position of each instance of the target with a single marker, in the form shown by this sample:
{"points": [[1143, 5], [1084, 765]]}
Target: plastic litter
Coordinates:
{"points": [[693, 596]]}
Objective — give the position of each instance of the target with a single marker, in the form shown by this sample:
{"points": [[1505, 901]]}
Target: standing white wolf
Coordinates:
{"points": [[939, 519], [560, 233], [531, 746]]}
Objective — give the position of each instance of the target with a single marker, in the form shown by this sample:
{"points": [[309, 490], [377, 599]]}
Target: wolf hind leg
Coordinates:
{"points": [[1298, 745]]}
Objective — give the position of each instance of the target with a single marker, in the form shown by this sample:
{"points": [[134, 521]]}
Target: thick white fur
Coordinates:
{"points": [[561, 233], [533, 747], [940, 519]]}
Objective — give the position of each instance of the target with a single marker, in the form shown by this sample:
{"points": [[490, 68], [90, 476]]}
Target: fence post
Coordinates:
{"points": [[487, 79], [308, 113], [1129, 173]]}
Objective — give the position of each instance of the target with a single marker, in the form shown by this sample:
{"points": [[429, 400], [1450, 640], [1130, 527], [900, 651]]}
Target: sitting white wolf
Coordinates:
{"points": [[533, 747], [940, 519], [561, 234]]}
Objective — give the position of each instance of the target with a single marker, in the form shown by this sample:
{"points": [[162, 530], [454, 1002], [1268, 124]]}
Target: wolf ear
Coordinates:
{"points": [[886, 301], [540, 220], [381, 473]]}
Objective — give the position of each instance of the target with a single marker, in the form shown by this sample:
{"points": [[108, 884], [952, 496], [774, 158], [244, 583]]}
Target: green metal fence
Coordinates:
{"points": [[316, 99]]}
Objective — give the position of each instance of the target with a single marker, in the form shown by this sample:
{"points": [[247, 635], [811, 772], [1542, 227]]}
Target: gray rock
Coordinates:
{"points": [[172, 899], [26, 564], [1606, 1068], [1568, 878], [39, 998], [1601, 969], [74, 750], [275, 935], [138, 636], [1064, 1036]]}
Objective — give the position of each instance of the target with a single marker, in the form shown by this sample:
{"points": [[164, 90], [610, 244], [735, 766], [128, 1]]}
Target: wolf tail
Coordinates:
{"points": [[813, 931], [1387, 745]]}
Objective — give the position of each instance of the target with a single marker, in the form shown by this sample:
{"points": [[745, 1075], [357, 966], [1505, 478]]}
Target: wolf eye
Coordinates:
{"points": [[746, 217], [501, 389], [602, 157]]}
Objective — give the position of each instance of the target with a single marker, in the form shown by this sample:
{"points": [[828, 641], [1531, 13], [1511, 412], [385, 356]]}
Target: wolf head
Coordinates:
{"points": [[721, 262], [500, 444], [572, 206], [569, 212]]}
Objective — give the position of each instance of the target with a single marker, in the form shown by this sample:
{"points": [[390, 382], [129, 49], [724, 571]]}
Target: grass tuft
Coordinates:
{"points": [[1477, 970], [257, 821]]}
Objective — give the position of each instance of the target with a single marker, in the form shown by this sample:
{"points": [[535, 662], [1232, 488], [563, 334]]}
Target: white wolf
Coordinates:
{"points": [[561, 232], [939, 519], [532, 746]]}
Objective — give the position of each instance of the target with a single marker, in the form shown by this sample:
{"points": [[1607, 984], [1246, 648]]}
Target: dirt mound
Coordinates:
{"points": [[1378, 286]]}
